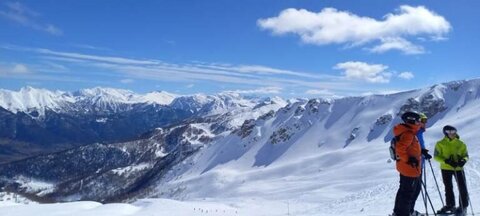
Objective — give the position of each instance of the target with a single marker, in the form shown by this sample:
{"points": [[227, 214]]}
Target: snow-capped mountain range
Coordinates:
{"points": [[28, 99], [322, 157], [38, 120], [130, 168]]}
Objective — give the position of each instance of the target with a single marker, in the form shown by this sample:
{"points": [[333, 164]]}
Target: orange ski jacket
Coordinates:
{"points": [[408, 146]]}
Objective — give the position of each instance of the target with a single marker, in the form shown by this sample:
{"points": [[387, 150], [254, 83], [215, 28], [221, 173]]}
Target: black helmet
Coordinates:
{"points": [[410, 117], [448, 129]]}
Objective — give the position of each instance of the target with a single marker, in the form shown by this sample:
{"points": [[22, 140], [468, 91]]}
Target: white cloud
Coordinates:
{"points": [[190, 86], [258, 70], [14, 69], [110, 59], [50, 66], [256, 75], [126, 81], [406, 75], [52, 29], [20, 69], [397, 44], [331, 26], [323, 92], [170, 42], [21, 14], [263, 90], [250, 76], [159, 70], [268, 70], [90, 47], [382, 92], [373, 73], [33, 72]]}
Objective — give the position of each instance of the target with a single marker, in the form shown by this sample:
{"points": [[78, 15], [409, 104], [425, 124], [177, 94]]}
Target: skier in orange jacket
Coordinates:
{"points": [[408, 153]]}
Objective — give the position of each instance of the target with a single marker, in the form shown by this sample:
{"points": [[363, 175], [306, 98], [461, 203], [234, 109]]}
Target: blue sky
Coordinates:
{"points": [[287, 48]]}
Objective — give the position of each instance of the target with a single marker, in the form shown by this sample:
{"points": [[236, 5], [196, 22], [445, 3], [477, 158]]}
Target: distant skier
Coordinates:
{"points": [[452, 154], [425, 156], [408, 152]]}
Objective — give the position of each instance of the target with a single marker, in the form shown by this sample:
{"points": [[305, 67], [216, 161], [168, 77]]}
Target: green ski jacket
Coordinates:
{"points": [[446, 148]]}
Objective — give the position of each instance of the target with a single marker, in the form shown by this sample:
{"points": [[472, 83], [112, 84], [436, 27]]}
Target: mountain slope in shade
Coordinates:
{"points": [[37, 121], [120, 171], [22, 135]]}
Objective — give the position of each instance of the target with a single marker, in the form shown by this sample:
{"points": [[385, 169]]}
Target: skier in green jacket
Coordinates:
{"points": [[452, 154]]}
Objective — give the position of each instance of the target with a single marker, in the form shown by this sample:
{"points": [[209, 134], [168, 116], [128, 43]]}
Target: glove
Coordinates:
{"points": [[413, 161], [451, 162], [461, 163], [426, 155]]}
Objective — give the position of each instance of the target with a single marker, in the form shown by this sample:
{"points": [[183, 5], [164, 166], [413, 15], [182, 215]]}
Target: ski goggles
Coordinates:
{"points": [[451, 131], [412, 119]]}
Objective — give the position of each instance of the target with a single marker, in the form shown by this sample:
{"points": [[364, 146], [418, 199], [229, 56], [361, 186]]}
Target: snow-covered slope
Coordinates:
{"points": [[327, 151], [315, 157]]}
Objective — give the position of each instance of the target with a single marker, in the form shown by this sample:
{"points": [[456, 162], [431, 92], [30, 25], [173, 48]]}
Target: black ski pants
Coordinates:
{"points": [[459, 176], [405, 198]]}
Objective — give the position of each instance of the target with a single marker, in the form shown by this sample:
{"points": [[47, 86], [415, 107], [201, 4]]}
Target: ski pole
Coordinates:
{"points": [[424, 174], [468, 194], [429, 200], [424, 201], [436, 183], [458, 184], [423, 195]]}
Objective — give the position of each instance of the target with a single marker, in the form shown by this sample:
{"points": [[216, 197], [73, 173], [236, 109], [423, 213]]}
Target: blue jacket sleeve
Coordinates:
{"points": [[420, 137]]}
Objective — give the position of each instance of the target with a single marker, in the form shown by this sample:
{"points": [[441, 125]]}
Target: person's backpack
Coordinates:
{"points": [[393, 143]]}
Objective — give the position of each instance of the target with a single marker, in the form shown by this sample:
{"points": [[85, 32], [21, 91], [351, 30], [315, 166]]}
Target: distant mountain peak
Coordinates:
{"points": [[158, 97], [102, 91]]}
